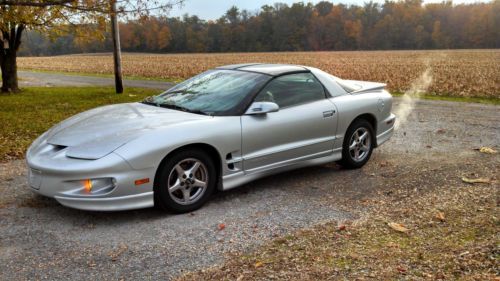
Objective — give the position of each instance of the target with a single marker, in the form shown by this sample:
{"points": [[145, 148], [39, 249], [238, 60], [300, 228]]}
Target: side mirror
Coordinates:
{"points": [[262, 107]]}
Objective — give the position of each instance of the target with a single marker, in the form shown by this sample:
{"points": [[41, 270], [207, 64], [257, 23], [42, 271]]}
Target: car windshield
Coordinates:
{"points": [[214, 92]]}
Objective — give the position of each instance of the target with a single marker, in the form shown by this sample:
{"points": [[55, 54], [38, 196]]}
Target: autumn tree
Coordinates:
{"points": [[86, 18], [406, 24], [147, 33]]}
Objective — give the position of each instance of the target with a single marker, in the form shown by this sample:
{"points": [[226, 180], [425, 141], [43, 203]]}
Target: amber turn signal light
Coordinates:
{"points": [[141, 181], [87, 184]]}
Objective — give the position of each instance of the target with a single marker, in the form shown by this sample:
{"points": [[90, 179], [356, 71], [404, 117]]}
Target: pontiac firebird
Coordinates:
{"points": [[218, 130]]}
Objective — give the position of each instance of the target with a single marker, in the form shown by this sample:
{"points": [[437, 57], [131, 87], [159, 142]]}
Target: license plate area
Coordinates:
{"points": [[35, 178]]}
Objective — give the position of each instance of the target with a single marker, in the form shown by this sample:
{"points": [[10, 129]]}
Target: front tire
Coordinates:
{"points": [[358, 144], [186, 181]]}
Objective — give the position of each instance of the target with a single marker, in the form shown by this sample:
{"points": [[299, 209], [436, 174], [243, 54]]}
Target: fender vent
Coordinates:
{"points": [[229, 156]]}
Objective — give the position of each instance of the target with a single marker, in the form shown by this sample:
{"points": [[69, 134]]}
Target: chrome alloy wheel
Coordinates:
{"points": [[187, 181], [360, 144]]}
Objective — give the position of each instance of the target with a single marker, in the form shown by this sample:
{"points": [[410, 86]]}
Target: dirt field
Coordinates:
{"points": [[471, 73]]}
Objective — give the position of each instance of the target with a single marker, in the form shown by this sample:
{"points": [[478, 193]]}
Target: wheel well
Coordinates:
{"points": [[212, 152], [372, 120]]}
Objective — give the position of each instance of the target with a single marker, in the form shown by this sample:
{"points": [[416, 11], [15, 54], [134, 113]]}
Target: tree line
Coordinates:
{"points": [[405, 24]]}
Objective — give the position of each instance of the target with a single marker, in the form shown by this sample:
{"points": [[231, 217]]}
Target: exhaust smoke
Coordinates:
{"points": [[418, 87]]}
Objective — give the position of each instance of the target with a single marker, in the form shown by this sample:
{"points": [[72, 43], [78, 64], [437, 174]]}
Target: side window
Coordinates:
{"points": [[292, 89]]}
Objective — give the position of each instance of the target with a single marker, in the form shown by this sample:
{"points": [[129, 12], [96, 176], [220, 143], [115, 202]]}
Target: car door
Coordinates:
{"points": [[303, 128]]}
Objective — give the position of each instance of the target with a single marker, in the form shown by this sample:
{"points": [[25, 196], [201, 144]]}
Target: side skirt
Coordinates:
{"points": [[237, 179]]}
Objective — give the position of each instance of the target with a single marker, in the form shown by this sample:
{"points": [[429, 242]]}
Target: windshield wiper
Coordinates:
{"points": [[181, 108], [150, 101]]}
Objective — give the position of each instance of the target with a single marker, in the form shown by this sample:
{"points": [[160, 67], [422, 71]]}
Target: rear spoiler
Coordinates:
{"points": [[364, 86]]}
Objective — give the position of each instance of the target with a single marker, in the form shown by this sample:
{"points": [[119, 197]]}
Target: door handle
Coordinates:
{"points": [[329, 113]]}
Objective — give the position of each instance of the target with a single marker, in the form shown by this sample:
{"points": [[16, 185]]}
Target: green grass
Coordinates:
{"points": [[28, 114], [106, 75]]}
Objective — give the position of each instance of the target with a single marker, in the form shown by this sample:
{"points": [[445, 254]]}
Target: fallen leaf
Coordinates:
{"points": [[258, 264], [440, 216], [441, 131], [341, 227], [464, 253], [398, 227], [487, 150], [478, 180], [392, 245], [221, 226], [115, 254], [401, 269]]}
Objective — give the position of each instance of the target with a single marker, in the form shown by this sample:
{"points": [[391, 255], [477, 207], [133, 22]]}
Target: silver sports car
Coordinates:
{"points": [[220, 129]]}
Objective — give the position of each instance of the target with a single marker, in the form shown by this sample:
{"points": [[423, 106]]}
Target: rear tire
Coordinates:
{"points": [[358, 144], [185, 182]]}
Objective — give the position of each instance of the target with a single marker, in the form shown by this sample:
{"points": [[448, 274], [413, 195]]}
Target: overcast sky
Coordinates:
{"points": [[213, 9]]}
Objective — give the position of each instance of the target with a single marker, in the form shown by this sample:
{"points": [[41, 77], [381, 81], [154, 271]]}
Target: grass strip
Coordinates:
{"points": [[28, 114]]}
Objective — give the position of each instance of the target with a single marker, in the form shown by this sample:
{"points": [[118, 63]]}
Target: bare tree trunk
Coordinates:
{"points": [[9, 45], [9, 72], [117, 56]]}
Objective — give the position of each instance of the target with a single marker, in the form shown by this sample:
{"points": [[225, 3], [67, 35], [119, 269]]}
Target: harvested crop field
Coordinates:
{"points": [[465, 73]]}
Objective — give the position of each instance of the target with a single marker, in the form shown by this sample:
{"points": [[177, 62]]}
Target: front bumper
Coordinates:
{"points": [[130, 202], [55, 176]]}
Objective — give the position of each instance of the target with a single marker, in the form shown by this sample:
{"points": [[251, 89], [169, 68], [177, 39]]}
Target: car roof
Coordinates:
{"points": [[269, 69]]}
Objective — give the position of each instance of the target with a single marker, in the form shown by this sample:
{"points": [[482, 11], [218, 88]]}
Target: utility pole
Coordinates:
{"points": [[117, 53]]}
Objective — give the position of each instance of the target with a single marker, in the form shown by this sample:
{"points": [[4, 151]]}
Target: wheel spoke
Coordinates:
{"points": [[363, 136], [186, 194], [195, 167], [365, 148], [180, 171], [199, 183], [175, 187], [353, 145], [356, 154]]}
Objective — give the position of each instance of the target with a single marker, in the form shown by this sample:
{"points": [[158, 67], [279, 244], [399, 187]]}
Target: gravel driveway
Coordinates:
{"points": [[39, 239]]}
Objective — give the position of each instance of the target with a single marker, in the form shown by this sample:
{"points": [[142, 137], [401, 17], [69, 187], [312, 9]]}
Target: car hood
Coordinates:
{"points": [[95, 133]]}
